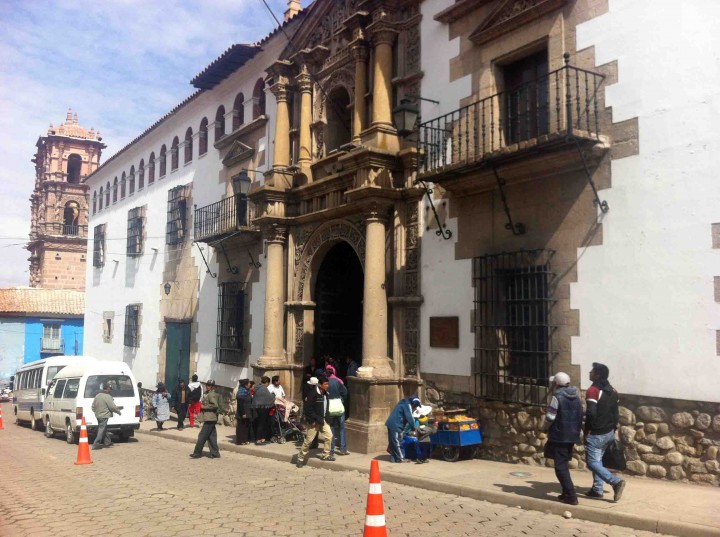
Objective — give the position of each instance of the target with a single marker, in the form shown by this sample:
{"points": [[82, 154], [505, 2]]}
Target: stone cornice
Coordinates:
{"points": [[512, 14], [459, 10]]}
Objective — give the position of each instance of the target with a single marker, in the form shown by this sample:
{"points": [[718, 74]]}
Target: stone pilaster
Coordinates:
{"points": [[281, 154], [360, 55], [375, 361], [305, 154], [273, 348]]}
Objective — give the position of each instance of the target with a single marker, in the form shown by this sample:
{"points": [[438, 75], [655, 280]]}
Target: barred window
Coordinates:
{"points": [[99, 246], [135, 232], [177, 215], [231, 316], [132, 325], [513, 334]]}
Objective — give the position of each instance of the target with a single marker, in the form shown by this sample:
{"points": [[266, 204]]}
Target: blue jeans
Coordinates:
{"points": [[595, 446], [337, 424], [394, 440]]}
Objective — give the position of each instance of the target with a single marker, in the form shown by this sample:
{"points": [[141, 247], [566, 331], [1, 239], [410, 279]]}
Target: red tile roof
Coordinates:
{"points": [[39, 300]]}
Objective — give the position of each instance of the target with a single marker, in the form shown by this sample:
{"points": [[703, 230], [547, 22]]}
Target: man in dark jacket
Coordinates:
{"points": [[563, 422], [600, 423], [181, 401], [315, 412], [400, 418], [210, 406], [337, 390]]}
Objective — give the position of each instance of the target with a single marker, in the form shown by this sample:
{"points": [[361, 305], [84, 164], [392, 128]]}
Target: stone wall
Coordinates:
{"points": [[663, 438]]}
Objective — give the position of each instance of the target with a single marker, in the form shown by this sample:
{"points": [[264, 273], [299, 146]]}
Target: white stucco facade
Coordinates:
{"points": [[645, 296]]}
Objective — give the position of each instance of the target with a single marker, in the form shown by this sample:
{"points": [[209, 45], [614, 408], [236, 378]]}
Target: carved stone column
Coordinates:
{"points": [[360, 54], [375, 362], [273, 348], [305, 86], [383, 39], [281, 154]]}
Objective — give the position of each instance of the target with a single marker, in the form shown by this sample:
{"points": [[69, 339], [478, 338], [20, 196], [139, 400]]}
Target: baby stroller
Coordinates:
{"points": [[286, 422]]}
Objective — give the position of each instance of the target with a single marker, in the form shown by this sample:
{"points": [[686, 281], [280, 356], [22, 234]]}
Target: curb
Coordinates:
{"points": [[637, 522]]}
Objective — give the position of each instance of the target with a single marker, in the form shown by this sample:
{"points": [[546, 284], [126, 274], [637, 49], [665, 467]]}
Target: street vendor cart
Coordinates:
{"points": [[457, 434]]}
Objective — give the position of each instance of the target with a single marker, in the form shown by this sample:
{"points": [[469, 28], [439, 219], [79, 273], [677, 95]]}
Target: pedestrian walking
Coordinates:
{"points": [[181, 401], [244, 433], [400, 418], [563, 422], [262, 402], [601, 420], [337, 391], [315, 411], [196, 395], [142, 403], [209, 408], [103, 406], [161, 405]]}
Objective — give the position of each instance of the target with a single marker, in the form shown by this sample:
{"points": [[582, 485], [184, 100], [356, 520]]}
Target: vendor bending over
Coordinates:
{"points": [[400, 417]]}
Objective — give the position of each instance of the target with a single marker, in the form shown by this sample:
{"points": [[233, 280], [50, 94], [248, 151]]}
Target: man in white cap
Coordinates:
{"points": [[315, 411], [563, 422]]}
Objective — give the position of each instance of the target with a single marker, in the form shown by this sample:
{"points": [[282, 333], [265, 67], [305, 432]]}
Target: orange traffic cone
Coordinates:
{"points": [[83, 446], [1, 423], [375, 514]]}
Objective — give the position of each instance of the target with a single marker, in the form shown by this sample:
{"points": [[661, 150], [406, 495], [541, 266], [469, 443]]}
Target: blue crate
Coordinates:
{"points": [[457, 438]]}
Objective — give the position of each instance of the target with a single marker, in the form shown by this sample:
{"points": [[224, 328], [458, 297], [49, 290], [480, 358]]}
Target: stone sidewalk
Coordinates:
{"points": [[647, 504]]}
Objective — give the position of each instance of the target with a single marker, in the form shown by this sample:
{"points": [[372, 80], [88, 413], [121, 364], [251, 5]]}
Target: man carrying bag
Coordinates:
{"points": [[601, 420]]}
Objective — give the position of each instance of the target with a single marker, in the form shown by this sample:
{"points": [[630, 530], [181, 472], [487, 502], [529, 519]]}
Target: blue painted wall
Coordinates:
{"points": [[71, 332], [12, 345]]}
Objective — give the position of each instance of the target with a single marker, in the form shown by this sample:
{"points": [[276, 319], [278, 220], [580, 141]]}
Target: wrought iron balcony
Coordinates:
{"points": [[58, 228], [225, 217], [51, 344], [553, 110]]}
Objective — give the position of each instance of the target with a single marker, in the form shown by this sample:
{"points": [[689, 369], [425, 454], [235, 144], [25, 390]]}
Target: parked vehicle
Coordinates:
{"points": [[72, 393], [5, 396], [30, 387]]}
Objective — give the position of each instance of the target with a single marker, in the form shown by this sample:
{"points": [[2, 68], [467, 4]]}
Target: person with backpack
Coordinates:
{"points": [[196, 395], [601, 420], [336, 416]]}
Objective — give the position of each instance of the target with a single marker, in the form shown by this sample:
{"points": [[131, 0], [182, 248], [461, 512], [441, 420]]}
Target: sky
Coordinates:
{"points": [[119, 64]]}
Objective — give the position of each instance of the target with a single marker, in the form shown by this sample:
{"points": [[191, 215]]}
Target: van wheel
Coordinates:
{"points": [[33, 422], [49, 433], [124, 437], [69, 433]]}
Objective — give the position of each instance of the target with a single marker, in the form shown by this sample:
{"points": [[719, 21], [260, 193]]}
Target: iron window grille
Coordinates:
{"points": [[135, 232], [231, 317], [176, 215], [513, 334], [99, 246], [132, 325]]}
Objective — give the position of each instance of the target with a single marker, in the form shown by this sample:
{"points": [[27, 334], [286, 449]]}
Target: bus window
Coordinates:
{"points": [[57, 394], [71, 389], [37, 373], [121, 385]]}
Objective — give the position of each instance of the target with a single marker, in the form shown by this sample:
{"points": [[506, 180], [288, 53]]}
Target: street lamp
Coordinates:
{"points": [[405, 116], [167, 288]]}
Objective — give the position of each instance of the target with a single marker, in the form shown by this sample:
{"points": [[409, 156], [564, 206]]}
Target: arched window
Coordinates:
{"points": [[219, 123], [188, 145], [115, 190], [259, 99], [107, 194], [151, 168], [174, 157], [73, 168], [131, 179], [238, 111], [163, 161], [141, 174], [203, 136], [123, 185], [71, 218], [338, 119], [100, 205], [94, 201]]}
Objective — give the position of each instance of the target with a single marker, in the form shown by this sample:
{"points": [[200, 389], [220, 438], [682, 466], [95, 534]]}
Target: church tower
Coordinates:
{"points": [[59, 204]]}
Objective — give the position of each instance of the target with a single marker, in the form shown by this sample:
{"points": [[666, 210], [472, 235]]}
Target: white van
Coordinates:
{"points": [[30, 383], [71, 396]]}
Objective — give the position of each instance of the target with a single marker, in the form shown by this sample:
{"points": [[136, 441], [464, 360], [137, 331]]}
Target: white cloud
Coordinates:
{"points": [[120, 64]]}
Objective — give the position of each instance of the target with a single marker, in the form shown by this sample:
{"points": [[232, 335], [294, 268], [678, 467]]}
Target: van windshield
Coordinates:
{"points": [[52, 371], [121, 385]]}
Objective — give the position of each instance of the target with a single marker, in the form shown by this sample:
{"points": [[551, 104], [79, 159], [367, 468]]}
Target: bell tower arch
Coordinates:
{"points": [[59, 204]]}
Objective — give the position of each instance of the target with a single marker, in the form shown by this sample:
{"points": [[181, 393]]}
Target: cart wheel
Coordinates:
{"points": [[471, 452], [450, 453]]}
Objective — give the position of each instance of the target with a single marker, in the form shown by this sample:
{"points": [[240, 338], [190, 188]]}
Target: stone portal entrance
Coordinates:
{"points": [[338, 297]]}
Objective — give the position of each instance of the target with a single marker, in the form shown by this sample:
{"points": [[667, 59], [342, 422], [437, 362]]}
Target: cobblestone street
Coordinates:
{"points": [[150, 486]]}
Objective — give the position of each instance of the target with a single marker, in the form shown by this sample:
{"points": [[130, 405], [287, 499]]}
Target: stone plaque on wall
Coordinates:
{"points": [[444, 332]]}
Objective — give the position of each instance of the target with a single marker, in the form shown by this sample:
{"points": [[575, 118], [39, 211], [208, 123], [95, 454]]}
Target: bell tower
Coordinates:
{"points": [[59, 204]]}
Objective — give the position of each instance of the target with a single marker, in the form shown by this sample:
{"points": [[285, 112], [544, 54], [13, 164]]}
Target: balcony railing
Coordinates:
{"points": [[562, 103], [58, 228], [49, 344], [222, 218]]}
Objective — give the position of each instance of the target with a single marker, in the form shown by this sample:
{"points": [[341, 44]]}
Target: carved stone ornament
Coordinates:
{"points": [[335, 231], [512, 14]]}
